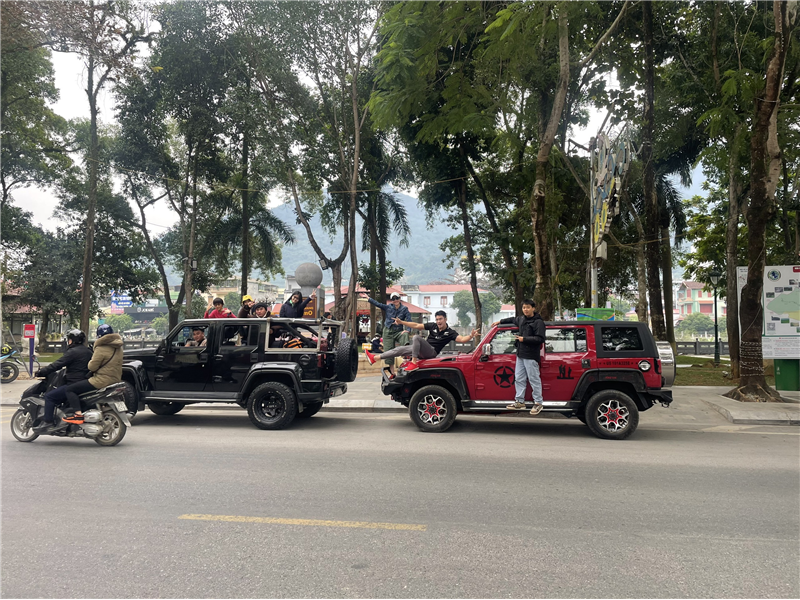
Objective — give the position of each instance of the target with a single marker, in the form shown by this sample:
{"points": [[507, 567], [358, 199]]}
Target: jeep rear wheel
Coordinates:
{"points": [[165, 408], [612, 415], [433, 408], [346, 360], [272, 405]]}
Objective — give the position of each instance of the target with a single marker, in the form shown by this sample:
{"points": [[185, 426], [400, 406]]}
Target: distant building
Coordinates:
{"points": [[434, 297], [694, 298]]}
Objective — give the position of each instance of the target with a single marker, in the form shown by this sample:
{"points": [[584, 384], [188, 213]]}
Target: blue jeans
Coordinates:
{"points": [[65, 393], [527, 371]]}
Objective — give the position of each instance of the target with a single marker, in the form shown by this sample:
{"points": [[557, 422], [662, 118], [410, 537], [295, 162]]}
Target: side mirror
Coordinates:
{"points": [[486, 351]]}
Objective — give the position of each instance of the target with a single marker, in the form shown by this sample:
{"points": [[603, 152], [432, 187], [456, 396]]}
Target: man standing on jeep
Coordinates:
{"points": [[530, 338], [394, 335]]}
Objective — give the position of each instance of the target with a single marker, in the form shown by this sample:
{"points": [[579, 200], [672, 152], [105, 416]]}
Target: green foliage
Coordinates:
{"points": [[369, 275], [119, 323], [161, 325], [700, 325], [463, 303], [233, 301]]}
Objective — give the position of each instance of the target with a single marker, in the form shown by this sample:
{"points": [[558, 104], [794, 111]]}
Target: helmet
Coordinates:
{"points": [[103, 330], [76, 335], [247, 297]]}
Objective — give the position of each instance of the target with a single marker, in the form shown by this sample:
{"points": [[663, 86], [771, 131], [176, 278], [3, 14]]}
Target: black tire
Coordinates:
{"points": [[166, 409], [346, 360], [309, 410], [272, 405], [22, 427], [433, 408], [612, 415], [131, 399], [113, 429], [10, 372]]}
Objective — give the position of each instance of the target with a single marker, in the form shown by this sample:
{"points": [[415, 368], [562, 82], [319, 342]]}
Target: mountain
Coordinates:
{"points": [[421, 260]]}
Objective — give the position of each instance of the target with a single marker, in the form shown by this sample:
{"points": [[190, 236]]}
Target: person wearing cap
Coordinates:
{"points": [[394, 335], [247, 307], [260, 310], [219, 311]]}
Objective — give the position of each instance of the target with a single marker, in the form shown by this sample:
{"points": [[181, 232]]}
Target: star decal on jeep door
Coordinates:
{"points": [[504, 377]]}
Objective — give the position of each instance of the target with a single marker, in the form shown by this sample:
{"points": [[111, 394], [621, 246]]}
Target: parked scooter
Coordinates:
{"points": [[11, 361], [105, 418]]}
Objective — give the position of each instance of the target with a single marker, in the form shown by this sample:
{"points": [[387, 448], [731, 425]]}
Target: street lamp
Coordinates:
{"points": [[714, 277]]}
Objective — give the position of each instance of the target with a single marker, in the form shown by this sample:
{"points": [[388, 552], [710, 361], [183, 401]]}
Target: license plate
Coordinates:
{"points": [[121, 406]]}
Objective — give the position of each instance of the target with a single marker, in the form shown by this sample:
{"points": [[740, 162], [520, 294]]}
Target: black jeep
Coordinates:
{"points": [[277, 369]]}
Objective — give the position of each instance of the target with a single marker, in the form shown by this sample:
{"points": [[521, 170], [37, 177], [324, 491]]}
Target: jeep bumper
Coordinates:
{"points": [[391, 386], [662, 396]]}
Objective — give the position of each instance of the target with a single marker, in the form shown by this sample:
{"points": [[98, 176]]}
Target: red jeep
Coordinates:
{"points": [[602, 372]]}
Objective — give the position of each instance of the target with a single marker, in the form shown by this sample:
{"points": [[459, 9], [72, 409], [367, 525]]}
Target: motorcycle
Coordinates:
{"points": [[105, 414], [10, 363]]}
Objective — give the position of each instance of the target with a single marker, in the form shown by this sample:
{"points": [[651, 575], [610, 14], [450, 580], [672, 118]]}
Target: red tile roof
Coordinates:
{"points": [[694, 285], [447, 287]]}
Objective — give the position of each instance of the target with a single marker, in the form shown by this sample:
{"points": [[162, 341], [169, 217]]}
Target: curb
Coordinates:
{"points": [[742, 416]]}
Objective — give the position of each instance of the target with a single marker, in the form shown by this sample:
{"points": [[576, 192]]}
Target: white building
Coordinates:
{"points": [[435, 297]]}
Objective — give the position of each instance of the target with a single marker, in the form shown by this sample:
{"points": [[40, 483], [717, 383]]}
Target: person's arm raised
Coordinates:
{"points": [[410, 324]]}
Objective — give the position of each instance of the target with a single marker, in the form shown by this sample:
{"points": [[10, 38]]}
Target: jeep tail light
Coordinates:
{"points": [[644, 365]]}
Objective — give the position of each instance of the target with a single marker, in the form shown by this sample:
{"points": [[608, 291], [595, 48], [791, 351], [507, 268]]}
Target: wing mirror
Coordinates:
{"points": [[486, 351]]}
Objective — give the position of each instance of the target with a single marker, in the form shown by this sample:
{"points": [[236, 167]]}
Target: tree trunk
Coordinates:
{"points": [[765, 164], [652, 253], [544, 276], [473, 277], [731, 253], [373, 254], [666, 269], [88, 250], [641, 261], [43, 329], [245, 210], [187, 265]]}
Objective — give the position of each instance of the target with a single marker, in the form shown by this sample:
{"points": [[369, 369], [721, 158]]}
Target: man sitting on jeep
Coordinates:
{"points": [[440, 334]]}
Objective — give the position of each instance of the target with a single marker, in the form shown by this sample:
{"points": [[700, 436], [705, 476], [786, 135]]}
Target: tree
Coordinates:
{"points": [[233, 300], [695, 325], [119, 323], [463, 303], [105, 35]]}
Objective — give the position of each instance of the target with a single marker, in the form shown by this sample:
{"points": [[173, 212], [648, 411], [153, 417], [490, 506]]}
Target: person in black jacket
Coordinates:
{"points": [[76, 359], [294, 307], [529, 344]]}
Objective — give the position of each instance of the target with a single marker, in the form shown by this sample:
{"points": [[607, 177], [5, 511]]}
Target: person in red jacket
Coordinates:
{"points": [[219, 311]]}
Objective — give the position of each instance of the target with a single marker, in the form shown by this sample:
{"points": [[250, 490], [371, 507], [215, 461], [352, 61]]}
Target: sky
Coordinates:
{"points": [[70, 78]]}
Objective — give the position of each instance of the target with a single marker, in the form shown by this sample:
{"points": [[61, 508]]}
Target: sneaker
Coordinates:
{"points": [[370, 356], [516, 406], [537, 408], [76, 419], [410, 366], [43, 427]]}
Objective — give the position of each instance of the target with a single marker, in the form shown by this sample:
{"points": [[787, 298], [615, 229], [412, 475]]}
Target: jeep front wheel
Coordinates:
{"points": [[433, 408], [272, 405], [612, 415]]}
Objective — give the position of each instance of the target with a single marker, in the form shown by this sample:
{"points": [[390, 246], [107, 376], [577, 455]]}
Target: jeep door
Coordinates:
{"points": [[184, 368], [494, 376], [566, 358], [238, 350]]}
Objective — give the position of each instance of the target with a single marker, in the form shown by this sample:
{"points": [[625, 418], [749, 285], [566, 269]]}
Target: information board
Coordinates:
{"points": [[29, 331]]}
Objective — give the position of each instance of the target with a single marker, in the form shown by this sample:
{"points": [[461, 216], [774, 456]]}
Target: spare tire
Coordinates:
{"points": [[346, 360]]}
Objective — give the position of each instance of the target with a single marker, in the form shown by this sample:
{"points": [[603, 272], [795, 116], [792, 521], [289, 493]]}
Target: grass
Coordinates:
{"points": [[703, 372]]}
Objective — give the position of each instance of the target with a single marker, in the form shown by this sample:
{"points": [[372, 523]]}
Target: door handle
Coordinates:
{"points": [[159, 378], [218, 357], [217, 378], [202, 358], [159, 359]]}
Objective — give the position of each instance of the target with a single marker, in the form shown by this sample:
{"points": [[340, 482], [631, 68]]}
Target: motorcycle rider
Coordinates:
{"points": [[76, 360]]}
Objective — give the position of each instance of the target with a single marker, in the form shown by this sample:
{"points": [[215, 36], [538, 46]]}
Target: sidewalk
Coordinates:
{"points": [[364, 395]]}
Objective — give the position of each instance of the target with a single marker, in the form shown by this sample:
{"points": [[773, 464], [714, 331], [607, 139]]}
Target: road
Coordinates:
{"points": [[363, 505]]}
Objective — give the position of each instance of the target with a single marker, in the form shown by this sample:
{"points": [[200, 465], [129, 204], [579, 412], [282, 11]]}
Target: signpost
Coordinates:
{"points": [[609, 161], [29, 332]]}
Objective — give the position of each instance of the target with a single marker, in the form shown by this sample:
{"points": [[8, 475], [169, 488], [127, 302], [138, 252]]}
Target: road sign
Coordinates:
{"points": [[29, 331]]}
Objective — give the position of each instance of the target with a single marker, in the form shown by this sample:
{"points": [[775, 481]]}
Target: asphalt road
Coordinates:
{"points": [[363, 505]]}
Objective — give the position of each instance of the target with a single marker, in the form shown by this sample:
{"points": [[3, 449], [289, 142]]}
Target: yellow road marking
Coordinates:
{"points": [[311, 522]]}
